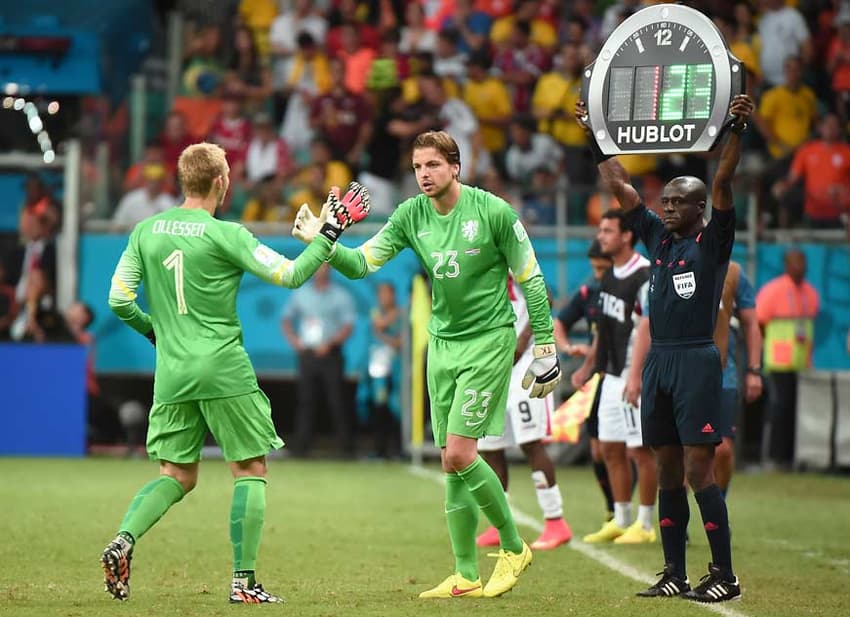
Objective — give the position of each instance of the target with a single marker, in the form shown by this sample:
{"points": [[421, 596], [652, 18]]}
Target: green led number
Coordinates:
{"points": [[686, 92], [699, 87], [673, 92]]}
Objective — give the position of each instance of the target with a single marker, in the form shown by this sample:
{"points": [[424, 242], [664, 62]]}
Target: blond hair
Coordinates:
{"points": [[442, 142], [198, 167]]}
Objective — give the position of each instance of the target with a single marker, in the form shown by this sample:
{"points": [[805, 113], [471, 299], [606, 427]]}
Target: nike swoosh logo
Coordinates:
{"points": [[468, 423], [422, 233], [460, 592]]}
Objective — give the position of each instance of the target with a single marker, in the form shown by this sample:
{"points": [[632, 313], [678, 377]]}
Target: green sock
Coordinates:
{"points": [[462, 519], [487, 491], [149, 504], [247, 512]]}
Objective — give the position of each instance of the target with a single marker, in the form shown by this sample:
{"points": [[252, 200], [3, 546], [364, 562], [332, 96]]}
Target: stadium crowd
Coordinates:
{"points": [[304, 95]]}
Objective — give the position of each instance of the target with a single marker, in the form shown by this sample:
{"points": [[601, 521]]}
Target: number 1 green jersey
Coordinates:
{"points": [[467, 254], [192, 265]]}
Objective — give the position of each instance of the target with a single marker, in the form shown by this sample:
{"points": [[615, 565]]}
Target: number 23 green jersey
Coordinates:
{"points": [[192, 265], [467, 254]]}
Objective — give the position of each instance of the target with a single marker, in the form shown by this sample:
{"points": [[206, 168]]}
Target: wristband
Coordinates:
{"points": [[330, 232], [732, 125], [754, 370]]}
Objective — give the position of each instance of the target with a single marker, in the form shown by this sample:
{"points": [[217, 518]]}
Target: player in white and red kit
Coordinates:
{"points": [[527, 426]]}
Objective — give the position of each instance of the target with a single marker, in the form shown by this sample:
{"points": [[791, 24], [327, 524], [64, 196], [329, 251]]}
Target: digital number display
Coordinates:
{"points": [[647, 82], [620, 99], [699, 87], [662, 82], [673, 92], [660, 93]]}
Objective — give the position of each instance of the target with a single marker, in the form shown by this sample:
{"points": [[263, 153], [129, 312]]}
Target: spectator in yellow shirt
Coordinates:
{"points": [[787, 112], [490, 101], [740, 48], [258, 15], [554, 98], [268, 205], [542, 33]]}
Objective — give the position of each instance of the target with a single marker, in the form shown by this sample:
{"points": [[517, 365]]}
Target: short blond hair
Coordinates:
{"points": [[442, 142], [198, 167]]}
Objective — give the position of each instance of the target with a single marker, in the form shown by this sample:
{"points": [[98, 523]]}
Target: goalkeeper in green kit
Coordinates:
{"points": [[191, 265], [467, 240]]}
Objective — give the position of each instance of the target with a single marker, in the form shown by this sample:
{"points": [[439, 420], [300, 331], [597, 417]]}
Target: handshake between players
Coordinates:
{"points": [[338, 214]]}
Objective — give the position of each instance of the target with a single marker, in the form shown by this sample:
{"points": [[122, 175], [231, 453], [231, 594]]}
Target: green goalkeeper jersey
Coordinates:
{"points": [[467, 254], [192, 265]]}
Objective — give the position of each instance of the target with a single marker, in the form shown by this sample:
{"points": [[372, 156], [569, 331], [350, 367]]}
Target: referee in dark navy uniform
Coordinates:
{"points": [[681, 411]]}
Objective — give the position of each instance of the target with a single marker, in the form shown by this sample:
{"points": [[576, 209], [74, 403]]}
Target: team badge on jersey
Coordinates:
{"points": [[685, 284], [469, 229]]}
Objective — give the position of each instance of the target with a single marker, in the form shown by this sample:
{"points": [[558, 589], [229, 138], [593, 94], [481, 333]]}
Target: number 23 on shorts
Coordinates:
{"points": [[475, 406]]}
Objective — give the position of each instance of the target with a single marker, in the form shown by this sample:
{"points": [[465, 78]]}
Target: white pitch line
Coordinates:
{"points": [[601, 557]]}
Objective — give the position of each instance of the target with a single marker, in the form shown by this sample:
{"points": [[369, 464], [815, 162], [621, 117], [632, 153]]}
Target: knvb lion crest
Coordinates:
{"points": [[469, 229]]}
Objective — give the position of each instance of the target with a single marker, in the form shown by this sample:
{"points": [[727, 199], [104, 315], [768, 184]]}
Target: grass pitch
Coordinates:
{"points": [[366, 538]]}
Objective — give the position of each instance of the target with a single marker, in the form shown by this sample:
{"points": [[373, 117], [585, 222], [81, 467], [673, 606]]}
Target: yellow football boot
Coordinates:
{"points": [[636, 534], [609, 532], [455, 586], [506, 573]]}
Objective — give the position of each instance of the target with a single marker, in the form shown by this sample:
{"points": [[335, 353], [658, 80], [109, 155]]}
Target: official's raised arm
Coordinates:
{"points": [[614, 176], [721, 189]]}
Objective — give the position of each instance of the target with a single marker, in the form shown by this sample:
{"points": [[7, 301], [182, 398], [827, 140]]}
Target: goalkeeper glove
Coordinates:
{"points": [[338, 214], [543, 373]]}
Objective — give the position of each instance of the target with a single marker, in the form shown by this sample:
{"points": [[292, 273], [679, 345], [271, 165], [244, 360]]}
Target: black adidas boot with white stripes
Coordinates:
{"points": [[716, 586], [668, 586]]}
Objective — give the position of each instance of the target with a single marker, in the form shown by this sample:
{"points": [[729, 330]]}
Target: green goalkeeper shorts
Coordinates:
{"points": [[468, 384], [241, 425]]}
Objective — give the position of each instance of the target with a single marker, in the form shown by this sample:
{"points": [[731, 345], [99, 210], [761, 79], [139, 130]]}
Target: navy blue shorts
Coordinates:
{"points": [[680, 399], [729, 407]]}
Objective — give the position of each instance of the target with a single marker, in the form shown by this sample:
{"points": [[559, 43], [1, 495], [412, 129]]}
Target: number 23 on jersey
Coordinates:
{"points": [[445, 264]]}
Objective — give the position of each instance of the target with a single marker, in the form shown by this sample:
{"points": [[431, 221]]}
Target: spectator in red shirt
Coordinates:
{"points": [[232, 131], [343, 117], [520, 63], [838, 64], [824, 165], [174, 139], [346, 15]]}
